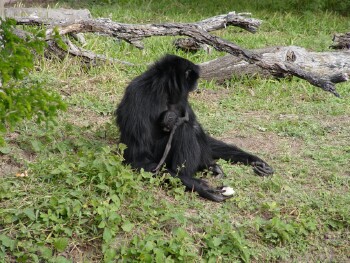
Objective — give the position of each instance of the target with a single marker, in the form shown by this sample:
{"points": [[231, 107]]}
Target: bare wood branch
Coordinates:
{"points": [[242, 20], [283, 63], [223, 68], [58, 16], [341, 41], [87, 57], [47, 15], [134, 33], [90, 57], [110, 28], [2, 10], [322, 69]]}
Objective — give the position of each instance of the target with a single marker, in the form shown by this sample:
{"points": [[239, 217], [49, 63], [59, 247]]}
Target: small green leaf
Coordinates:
{"points": [[5, 150], [61, 259], [45, 252], [127, 226], [149, 245], [7, 242], [37, 145], [181, 233], [61, 243], [30, 213], [109, 255], [160, 255], [107, 235], [102, 224], [216, 241]]}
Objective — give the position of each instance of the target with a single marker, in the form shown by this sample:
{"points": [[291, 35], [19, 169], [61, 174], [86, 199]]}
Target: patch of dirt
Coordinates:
{"points": [[83, 252], [8, 167], [83, 117], [264, 142], [13, 162], [336, 124], [211, 95]]}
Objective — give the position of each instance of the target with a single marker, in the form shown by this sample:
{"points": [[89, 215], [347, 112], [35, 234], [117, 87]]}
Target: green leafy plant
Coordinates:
{"points": [[16, 53], [225, 243], [154, 246], [22, 99], [276, 231], [67, 212]]}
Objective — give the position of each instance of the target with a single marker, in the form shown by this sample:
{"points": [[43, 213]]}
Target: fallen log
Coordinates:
{"points": [[280, 61], [322, 66], [242, 20], [47, 15], [341, 41], [127, 32]]}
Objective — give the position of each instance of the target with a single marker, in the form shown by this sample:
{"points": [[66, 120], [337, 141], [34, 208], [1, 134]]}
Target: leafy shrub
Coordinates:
{"points": [[21, 100], [276, 231], [90, 186], [156, 247], [225, 243]]}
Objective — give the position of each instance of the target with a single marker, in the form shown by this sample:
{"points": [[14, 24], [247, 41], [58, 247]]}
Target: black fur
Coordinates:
{"points": [[168, 120], [163, 89]]}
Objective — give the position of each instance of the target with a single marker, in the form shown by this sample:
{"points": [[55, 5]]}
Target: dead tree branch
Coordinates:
{"points": [[341, 41], [322, 69], [282, 61], [242, 20], [47, 15], [133, 34]]}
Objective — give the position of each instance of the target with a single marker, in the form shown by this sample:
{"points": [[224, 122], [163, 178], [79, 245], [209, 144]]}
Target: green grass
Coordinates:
{"points": [[80, 204]]}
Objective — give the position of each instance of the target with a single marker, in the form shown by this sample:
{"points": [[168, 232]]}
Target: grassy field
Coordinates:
{"points": [[80, 204]]}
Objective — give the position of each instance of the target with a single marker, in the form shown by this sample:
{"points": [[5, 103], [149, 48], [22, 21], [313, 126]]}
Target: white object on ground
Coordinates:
{"points": [[228, 191]]}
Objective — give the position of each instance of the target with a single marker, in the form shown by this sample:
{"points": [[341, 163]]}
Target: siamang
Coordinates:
{"points": [[147, 114]]}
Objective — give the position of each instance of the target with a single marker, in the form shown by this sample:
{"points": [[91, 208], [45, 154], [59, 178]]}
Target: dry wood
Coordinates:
{"points": [[47, 15], [322, 69], [133, 34], [2, 10], [29, 2], [88, 57], [242, 20], [341, 41], [281, 61]]}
